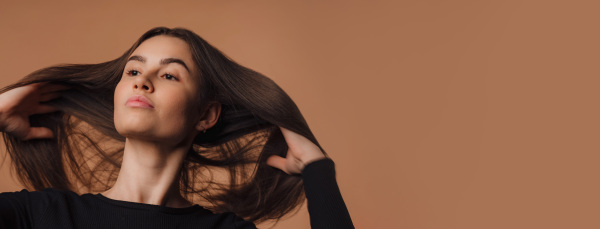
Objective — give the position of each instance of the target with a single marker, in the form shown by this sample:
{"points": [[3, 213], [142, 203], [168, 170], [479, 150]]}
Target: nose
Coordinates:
{"points": [[143, 83]]}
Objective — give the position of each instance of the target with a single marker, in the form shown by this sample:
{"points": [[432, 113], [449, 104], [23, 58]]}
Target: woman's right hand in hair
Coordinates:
{"points": [[18, 104]]}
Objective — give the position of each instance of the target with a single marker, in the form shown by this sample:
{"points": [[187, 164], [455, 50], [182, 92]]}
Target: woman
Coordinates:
{"points": [[177, 120]]}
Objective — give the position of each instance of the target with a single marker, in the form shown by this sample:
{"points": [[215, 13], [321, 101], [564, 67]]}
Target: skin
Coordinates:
{"points": [[157, 138]]}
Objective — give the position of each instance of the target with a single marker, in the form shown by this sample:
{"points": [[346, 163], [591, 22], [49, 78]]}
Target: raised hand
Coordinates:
{"points": [[18, 104], [301, 152]]}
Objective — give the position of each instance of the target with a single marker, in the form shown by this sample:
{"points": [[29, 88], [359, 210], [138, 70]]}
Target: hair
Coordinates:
{"points": [[225, 167]]}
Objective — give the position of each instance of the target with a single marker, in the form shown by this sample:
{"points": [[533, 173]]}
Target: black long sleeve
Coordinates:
{"points": [[325, 203]]}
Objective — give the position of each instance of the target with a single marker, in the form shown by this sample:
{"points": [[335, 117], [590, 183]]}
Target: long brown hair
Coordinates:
{"points": [[87, 150]]}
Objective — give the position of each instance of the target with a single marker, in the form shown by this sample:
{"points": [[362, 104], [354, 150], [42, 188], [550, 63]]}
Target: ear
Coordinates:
{"points": [[210, 116]]}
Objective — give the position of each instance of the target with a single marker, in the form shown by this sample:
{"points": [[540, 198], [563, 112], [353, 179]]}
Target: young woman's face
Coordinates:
{"points": [[156, 97]]}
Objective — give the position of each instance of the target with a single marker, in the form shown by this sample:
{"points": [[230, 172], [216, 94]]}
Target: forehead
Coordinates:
{"points": [[160, 47]]}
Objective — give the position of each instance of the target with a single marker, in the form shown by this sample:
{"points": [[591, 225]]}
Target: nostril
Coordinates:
{"points": [[145, 87]]}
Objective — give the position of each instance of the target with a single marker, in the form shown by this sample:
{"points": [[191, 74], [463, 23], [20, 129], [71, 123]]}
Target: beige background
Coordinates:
{"points": [[439, 114]]}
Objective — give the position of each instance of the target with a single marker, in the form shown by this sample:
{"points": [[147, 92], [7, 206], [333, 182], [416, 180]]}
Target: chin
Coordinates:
{"points": [[134, 126], [147, 132], [130, 132]]}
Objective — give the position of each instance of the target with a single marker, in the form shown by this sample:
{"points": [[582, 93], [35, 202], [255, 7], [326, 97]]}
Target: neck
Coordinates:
{"points": [[150, 174]]}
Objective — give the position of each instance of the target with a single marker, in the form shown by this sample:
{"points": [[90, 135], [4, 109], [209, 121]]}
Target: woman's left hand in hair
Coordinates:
{"points": [[301, 152]]}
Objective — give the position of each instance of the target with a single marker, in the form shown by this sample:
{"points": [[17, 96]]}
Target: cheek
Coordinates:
{"points": [[178, 113], [177, 110], [118, 92], [118, 100], [116, 96]]}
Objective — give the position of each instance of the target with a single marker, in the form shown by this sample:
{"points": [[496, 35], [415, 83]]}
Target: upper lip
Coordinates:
{"points": [[140, 98]]}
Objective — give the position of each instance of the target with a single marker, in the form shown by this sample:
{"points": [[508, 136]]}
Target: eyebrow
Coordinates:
{"points": [[162, 62]]}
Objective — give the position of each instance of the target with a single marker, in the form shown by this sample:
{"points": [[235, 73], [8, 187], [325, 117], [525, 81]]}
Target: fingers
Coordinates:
{"points": [[287, 134], [38, 133], [49, 96], [277, 162], [38, 85], [51, 91], [291, 137], [50, 88], [43, 109], [300, 148], [45, 87]]}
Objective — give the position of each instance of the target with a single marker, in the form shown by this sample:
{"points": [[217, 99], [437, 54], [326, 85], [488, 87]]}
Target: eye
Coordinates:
{"points": [[133, 72], [170, 77]]}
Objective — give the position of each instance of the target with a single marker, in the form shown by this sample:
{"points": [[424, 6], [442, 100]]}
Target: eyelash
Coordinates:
{"points": [[173, 77]]}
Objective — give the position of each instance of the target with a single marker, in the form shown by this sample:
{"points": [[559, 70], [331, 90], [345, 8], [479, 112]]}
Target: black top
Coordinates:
{"points": [[51, 208]]}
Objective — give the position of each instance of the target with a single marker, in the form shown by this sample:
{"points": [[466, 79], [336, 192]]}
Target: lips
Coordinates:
{"points": [[139, 101]]}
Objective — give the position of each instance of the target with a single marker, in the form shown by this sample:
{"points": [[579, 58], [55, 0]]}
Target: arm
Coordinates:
{"points": [[325, 203], [16, 105]]}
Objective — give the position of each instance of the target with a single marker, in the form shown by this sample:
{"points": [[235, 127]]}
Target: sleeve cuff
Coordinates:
{"points": [[319, 166]]}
